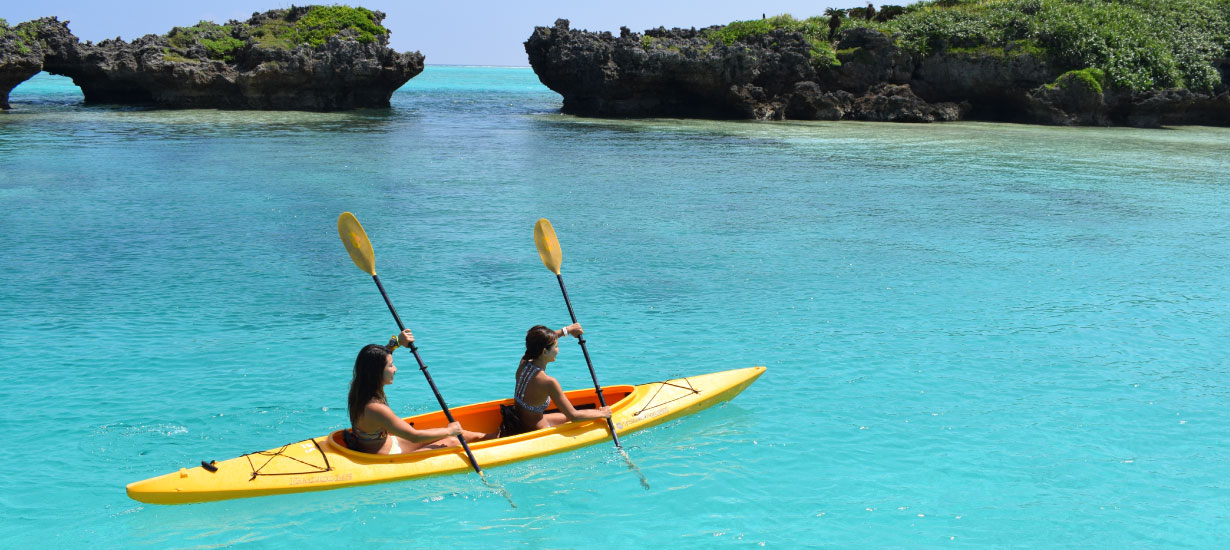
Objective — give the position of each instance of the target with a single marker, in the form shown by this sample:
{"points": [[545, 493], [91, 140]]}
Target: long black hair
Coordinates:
{"points": [[368, 381], [538, 339]]}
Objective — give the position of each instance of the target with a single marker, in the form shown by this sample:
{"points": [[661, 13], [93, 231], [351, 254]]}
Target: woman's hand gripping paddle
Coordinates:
{"points": [[552, 257], [360, 249]]}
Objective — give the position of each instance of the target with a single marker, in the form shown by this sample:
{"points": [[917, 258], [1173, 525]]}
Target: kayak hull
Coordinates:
{"points": [[323, 463]]}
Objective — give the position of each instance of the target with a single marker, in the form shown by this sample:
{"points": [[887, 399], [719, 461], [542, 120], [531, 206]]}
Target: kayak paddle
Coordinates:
{"points": [[552, 257], [360, 249]]}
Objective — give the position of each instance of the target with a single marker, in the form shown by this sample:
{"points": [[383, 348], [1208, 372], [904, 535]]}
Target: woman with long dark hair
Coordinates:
{"points": [[535, 390], [374, 427]]}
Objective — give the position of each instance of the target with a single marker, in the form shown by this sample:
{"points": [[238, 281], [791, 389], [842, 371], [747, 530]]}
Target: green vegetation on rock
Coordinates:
{"points": [[822, 53], [314, 28], [1139, 44], [168, 55], [814, 29], [219, 40], [743, 30], [324, 21], [1090, 79], [23, 36]]}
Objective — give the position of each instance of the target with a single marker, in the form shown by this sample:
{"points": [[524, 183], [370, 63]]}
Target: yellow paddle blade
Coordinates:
{"points": [[356, 242], [548, 245]]}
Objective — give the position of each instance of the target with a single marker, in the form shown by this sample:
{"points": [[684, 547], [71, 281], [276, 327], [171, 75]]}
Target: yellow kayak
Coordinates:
{"points": [[325, 463]]}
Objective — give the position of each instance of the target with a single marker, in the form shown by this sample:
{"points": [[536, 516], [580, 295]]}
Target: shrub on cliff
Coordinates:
{"points": [[219, 40], [321, 22], [1089, 79], [1140, 44], [814, 29], [20, 38], [311, 25]]}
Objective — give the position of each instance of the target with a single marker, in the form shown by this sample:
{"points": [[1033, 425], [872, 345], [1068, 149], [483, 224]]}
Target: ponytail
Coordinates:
{"points": [[538, 339]]}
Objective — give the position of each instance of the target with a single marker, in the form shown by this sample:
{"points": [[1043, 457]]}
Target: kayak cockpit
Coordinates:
{"points": [[485, 417]]}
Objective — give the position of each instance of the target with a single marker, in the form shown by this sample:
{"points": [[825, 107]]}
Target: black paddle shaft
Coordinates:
{"points": [[423, 367], [588, 363]]}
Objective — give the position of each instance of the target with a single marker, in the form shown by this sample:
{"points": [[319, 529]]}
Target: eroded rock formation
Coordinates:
{"points": [[680, 73], [341, 73], [20, 59]]}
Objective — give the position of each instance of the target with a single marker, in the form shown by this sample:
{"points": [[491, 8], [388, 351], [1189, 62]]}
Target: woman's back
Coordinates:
{"points": [[530, 393], [367, 434], [535, 390]]}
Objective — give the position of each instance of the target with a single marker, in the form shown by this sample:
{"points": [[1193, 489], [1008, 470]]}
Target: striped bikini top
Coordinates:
{"points": [[523, 381]]}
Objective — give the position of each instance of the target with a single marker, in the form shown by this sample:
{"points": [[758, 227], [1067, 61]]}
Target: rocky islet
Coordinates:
{"points": [[853, 73], [241, 65]]}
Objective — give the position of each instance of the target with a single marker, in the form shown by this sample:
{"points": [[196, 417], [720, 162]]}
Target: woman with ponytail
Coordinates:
{"points": [[535, 390]]}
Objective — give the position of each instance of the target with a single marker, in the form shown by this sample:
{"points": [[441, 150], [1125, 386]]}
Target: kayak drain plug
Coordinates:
{"points": [[211, 466]]}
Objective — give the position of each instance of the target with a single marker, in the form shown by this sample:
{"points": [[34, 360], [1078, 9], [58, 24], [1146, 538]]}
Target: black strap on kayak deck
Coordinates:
{"points": [[274, 454], [650, 404]]}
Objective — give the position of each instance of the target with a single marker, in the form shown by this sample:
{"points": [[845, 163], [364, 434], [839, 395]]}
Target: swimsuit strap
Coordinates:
{"points": [[523, 381], [368, 436]]}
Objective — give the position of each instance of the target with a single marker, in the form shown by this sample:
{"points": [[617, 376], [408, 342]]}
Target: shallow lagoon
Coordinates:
{"points": [[978, 335]]}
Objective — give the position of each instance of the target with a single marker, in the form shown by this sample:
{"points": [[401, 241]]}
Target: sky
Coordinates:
{"points": [[456, 32]]}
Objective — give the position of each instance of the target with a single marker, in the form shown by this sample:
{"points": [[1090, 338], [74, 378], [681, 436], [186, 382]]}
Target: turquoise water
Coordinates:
{"points": [[977, 335]]}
